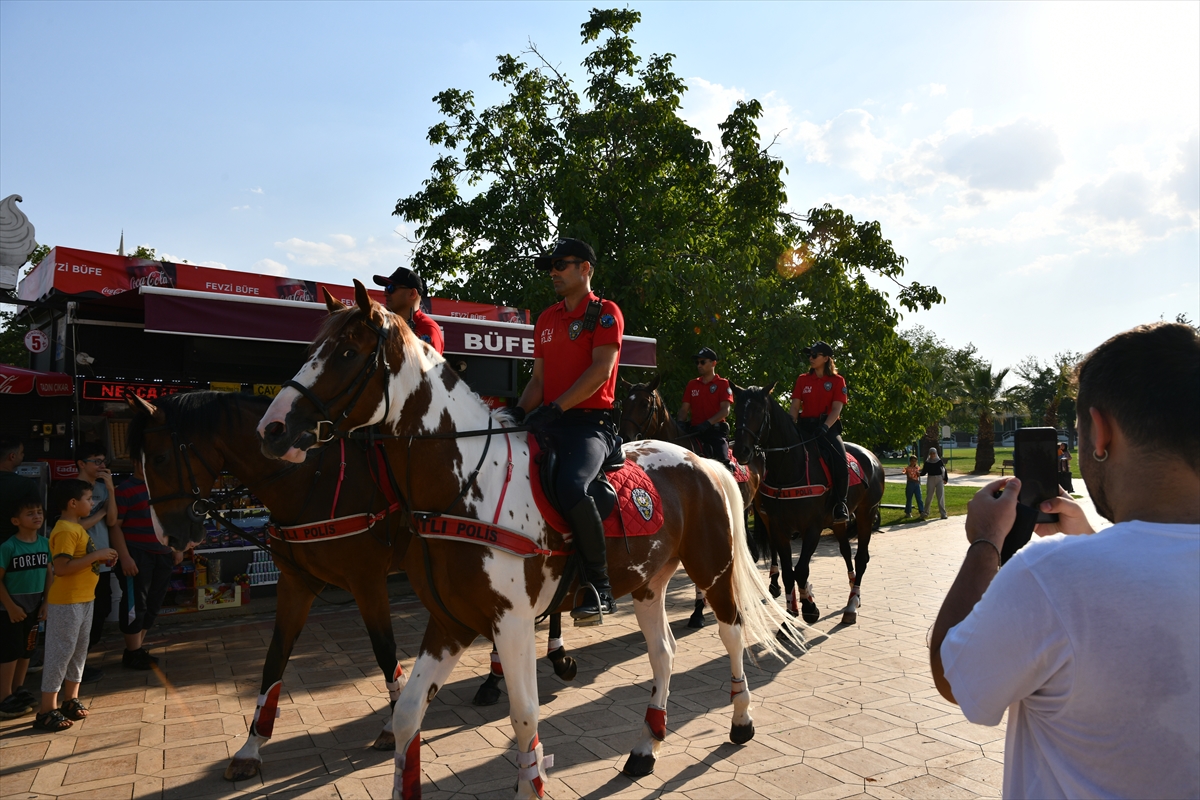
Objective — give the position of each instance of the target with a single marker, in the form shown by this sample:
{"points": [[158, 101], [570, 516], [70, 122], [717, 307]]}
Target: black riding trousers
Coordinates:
{"points": [[582, 439]]}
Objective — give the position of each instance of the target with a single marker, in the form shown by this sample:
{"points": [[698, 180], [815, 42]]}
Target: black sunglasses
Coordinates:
{"points": [[703, 360], [561, 264]]}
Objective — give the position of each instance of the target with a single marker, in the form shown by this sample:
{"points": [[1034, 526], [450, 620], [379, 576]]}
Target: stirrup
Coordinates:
{"points": [[588, 620]]}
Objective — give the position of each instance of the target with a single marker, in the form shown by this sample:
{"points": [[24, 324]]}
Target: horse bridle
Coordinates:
{"points": [[655, 406], [183, 452], [358, 386], [764, 427]]}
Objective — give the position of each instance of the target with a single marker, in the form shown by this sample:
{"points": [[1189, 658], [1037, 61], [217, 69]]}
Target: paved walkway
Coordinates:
{"points": [[856, 716]]}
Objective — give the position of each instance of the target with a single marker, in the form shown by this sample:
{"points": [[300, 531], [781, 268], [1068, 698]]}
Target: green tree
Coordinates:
{"points": [[948, 369], [1045, 386], [12, 333], [983, 399], [696, 246]]}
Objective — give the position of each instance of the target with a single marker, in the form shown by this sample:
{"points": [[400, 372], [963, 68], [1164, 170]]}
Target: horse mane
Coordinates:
{"points": [[393, 327], [191, 413]]}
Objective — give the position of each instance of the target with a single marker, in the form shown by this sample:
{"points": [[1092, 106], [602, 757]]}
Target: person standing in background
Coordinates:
{"points": [[92, 459], [935, 483], [912, 488], [1064, 468], [13, 487]]}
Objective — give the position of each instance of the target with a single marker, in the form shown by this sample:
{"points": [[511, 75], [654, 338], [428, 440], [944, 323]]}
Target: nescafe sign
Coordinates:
{"points": [[119, 390]]}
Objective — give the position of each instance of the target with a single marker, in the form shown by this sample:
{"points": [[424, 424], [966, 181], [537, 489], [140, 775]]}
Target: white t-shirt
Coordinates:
{"points": [[1092, 643]]}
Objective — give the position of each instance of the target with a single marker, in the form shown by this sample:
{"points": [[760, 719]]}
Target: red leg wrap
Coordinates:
{"points": [[267, 711], [410, 772], [497, 667], [656, 719]]}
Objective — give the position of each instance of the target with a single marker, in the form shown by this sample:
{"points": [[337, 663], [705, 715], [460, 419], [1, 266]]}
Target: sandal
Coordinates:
{"points": [[73, 709], [52, 721]]}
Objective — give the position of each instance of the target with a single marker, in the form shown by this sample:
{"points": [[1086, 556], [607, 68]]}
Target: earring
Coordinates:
{"points": [[1099, 458]]}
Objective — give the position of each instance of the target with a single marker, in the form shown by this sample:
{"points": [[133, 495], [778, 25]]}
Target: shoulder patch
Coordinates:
{"points": [[607, 321], [427, 339]]}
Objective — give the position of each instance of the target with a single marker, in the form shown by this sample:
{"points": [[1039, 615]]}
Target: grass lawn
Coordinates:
{"points": [[957, 498], [962, 459]]}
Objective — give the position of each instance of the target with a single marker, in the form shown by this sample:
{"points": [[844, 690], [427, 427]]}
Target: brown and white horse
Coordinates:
{"points": [[366, 368], [644, 415]]}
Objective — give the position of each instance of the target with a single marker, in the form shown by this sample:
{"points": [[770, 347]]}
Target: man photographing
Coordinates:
{"points": [[1092, 642]]}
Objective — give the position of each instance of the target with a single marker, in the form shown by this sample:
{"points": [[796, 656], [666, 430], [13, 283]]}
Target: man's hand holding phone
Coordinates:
{"points": [[992, 511], [1071, 519]]}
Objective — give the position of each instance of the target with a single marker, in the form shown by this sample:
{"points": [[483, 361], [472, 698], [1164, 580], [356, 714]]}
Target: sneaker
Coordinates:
{"points": [[14, 706], [35, 663], [91, 674], [146, 654], [134, 659], [27, 696]]}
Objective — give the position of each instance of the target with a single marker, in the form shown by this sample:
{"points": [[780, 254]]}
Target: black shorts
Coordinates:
{"points": [[17, 639], [142, 594]]}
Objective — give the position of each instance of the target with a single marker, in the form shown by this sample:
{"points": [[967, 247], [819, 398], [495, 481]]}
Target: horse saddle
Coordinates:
{"points": [[620, 484]]}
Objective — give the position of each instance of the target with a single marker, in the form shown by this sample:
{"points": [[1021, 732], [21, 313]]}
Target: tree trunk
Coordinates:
{"points": [[1050, 420], [930, 439], [985, 450]]}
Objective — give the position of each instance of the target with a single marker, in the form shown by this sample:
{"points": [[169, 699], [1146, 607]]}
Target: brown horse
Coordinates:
{"points": [[764, 427], [367, 368], [185, 441], [644, 415]]}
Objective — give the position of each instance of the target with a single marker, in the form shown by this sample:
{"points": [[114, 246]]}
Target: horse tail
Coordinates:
{"points": [[758, 612]]}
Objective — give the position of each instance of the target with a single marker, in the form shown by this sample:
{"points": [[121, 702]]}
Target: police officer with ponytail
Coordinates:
{"points": [[818, 398], [568, 403]]}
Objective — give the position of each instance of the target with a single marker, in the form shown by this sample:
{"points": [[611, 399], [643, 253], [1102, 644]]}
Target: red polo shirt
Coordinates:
{"points": [[427, 330], [566, 348], [705, 398], [817, 394]]}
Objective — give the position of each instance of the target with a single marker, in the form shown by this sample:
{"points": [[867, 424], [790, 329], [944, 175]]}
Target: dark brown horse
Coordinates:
{"points": [[367, 368], [644, 415], [763, 426], [185, 441]]}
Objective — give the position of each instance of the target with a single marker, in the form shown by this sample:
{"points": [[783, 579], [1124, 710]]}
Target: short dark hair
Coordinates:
{"points": [[9, 445], [27, 500], [88, 450], [1148, 380], [68, 490]]}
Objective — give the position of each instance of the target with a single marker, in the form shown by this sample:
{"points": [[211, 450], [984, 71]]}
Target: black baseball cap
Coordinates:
{"points": [[818, 349], [403, 276], [566, 248], [706, 352]]}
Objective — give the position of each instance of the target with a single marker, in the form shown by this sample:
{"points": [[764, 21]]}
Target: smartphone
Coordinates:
{"points": [[1035, 463]]}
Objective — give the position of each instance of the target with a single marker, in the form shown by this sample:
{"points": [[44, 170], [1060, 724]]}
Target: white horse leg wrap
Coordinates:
{"points": [[395, 684], [532, 766], [554, 644]]}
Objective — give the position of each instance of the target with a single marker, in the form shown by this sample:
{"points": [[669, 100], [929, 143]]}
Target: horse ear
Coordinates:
{"points": [[332, 303], [361, 297], [771, 388], [142, 406], [624, 384], [653, 385], [737, 390]]}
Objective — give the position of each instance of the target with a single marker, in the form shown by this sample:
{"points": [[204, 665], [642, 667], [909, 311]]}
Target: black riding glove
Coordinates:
{"points": [[704, 427], [542, 417], [518, 414], [823, 428]]}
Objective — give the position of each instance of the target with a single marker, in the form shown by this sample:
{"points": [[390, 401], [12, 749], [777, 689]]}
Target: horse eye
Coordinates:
{"points": [[159, 460], [349, 354]]}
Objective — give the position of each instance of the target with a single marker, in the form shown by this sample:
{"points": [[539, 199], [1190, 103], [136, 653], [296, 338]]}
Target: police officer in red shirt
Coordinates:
{"points": [[706, 403], [404, 289], [568, 403], [818, 398]]}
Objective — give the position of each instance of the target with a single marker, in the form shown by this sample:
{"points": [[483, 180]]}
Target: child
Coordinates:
{"points": [[912, 488], [25, 578], [69, 619]]}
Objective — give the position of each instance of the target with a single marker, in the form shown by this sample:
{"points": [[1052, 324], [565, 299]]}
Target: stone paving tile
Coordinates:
{"points": [[854, 716]]}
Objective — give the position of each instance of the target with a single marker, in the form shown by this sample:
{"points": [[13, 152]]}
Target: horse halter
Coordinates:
{"points": [[763, 427], [358, 385], [183, 453], [650, 417]]}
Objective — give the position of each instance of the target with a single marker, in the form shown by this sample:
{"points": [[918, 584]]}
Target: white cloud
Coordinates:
{"points": [[936, 88], [845, 141], [343, 240], [892, 210], [343, 251], [256, 190], [267, 266], [174, 259], [707, 105], [1018, 157], [908, 107], [1186, 182], [239, 208], [1026, 226], [1045, 263]]}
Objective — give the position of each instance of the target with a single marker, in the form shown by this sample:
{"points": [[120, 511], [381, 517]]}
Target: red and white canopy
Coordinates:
{"points": [[14, 380]]}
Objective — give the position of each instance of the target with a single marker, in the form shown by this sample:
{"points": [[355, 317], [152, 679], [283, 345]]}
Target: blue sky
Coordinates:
{"points": [[1039, 163]]}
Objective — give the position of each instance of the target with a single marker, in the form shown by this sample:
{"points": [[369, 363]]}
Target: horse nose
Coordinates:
{"points": [[274, 430]]}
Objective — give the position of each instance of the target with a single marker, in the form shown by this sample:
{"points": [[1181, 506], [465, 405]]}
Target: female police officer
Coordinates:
{"points": [[818, 398], [569, 400]]}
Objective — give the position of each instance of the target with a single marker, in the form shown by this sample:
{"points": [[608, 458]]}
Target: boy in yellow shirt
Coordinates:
{"points": [[69, 615]]}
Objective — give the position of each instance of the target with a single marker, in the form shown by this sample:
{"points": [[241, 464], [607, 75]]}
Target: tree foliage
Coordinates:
{"points": [[1048, 389], [12, 334], [697, 247], [983, 398]]}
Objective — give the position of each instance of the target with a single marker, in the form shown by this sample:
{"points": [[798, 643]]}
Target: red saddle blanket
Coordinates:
{"points": [[741, 473], [853, 470], [639, 509]]}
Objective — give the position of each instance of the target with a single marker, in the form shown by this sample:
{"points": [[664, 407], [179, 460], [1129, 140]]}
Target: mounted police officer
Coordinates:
{"points": [[818, 398], [569, 400], [706, 403], [404, 289]]}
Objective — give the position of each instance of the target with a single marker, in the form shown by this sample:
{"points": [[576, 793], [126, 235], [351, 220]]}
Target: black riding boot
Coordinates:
{"points": [[839, 476], [588, 531]]}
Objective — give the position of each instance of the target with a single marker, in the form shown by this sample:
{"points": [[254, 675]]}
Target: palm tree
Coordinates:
{"points": [[983, 397]]}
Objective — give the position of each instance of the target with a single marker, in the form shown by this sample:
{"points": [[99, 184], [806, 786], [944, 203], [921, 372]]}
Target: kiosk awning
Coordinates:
{"points": [[14, 380], [192, 313]]}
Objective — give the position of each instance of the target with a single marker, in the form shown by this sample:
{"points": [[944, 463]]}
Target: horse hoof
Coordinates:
{"points": [[850, 618], [638, 765], [565, 667], [488, 695], [774, 587], [241, 769], [385, 741], [696, 620], [811, 613], [740, 734]]}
